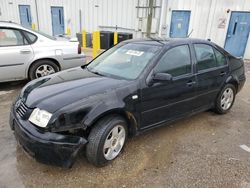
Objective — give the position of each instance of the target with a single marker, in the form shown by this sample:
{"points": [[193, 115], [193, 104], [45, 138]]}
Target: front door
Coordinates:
{"points": [[237, 33], [179, 24], [15, 54], [57, 16], [25, 15], [168, 100]]}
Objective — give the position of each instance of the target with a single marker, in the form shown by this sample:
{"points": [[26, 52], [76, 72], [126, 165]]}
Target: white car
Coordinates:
{"points": [[29, 54]]}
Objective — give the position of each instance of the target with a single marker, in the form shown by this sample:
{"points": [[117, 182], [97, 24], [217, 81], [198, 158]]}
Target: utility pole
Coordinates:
{"points": [[37, 19], [150, 16]]}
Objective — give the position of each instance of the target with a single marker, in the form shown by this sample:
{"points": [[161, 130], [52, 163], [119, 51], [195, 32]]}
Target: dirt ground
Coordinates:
{"points": [[202, 151]]}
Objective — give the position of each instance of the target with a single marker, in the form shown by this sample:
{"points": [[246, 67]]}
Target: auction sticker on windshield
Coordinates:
{"points": [[134, 52]]}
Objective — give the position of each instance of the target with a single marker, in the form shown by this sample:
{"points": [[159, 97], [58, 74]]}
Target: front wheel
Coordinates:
{"points": [[106, 140], [225, 99]]}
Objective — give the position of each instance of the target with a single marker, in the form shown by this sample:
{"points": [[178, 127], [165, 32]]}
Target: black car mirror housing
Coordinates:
{"points": [[162, 77]]}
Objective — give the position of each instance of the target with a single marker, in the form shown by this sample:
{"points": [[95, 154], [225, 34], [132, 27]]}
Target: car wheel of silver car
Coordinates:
{"points": [[225, 99], [106, 140], [42, 68]]}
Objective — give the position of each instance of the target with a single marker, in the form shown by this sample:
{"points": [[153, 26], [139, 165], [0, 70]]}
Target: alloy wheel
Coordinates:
{"points": [[114, 142], [227, 98], [44, 70]]}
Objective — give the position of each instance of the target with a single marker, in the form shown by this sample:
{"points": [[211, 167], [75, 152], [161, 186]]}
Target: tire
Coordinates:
{"points": [[103, 132], [223, 107], [39, 66]]}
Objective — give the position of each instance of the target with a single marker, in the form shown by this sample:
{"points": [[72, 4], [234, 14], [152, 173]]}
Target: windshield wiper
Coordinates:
{"points": [[95, 72]]}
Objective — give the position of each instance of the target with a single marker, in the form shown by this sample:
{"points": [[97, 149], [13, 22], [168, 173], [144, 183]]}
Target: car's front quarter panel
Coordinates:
{"points": [[84, 113]]}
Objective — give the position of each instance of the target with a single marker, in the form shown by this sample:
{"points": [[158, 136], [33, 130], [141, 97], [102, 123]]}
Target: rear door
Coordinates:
{"points": [[15, 54], [211, 71], [165, 101]]}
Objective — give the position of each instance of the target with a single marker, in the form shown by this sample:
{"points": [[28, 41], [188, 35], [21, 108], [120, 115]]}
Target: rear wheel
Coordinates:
{"points": [[42, 68], [225, 99], [106, 140]]}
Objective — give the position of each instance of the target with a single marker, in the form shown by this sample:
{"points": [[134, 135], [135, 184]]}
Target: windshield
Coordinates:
{"points": [[126, 61]]}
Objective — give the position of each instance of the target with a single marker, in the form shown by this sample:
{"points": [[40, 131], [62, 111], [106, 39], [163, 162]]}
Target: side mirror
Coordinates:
{"points": [[162, 77]]}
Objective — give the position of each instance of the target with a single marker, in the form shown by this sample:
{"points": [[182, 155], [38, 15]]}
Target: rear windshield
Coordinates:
{"points": [[45, 35]]}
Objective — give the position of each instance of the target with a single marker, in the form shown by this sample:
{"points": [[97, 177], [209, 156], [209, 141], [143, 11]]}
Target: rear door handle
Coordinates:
{"points": [[25, 51], [222, 73], [190, 83]]}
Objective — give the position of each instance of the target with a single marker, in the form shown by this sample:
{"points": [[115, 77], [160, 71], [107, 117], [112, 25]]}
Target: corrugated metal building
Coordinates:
{"points": [[226, 22]]}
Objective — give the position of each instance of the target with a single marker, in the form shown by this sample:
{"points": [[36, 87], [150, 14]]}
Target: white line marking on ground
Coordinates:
{"points": [[245, 147], [233, 159], [246, 101], [5, 92]]}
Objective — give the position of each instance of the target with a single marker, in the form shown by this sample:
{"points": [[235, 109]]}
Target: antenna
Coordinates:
{"points": [[154, 39]]}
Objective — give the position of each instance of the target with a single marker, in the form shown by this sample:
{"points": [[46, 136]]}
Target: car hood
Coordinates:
{"points": [[56, 91]]}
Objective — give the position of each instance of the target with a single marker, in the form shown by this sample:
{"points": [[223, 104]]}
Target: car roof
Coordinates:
{"points": [[10, 24], [167, 41]]}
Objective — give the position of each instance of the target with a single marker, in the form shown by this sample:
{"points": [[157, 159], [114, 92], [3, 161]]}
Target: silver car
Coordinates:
{"points": [[29, 54]]}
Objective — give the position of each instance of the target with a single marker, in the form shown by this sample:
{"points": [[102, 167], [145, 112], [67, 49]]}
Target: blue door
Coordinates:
{"points": [[25, 15], [237, 33], [57, 20], [179, 23]]}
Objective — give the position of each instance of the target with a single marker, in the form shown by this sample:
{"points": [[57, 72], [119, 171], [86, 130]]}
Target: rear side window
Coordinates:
{"points": [[221, 59], [11, 37], [175, 61], [205, 56], [32, 38]]}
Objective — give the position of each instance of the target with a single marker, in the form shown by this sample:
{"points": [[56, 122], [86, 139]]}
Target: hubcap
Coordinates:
{"points": [[44, 70], [114, 142], [227, 99]]}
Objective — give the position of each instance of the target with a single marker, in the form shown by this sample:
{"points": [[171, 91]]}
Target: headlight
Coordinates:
{"points": [[40, 117]]}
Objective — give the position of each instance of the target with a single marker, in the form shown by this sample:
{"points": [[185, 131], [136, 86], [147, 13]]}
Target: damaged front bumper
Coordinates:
{"points": [[46, 147]]}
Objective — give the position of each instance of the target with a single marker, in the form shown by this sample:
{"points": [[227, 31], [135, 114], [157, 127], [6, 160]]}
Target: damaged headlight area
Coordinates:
{"points": [[40, 117]]}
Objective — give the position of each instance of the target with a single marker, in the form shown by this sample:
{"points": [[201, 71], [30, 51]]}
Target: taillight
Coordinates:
{"points": [[79, 49]]}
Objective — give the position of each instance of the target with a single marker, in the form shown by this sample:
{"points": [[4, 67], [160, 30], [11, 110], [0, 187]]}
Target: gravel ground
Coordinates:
{"points": [[202, 151]]}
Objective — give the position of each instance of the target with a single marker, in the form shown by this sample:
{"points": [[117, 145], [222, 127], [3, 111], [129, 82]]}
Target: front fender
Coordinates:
{"points": [[104, 110]]}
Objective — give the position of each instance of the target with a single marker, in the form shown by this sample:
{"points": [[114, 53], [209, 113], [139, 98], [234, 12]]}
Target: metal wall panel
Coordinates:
{"points": [[206, 15]]}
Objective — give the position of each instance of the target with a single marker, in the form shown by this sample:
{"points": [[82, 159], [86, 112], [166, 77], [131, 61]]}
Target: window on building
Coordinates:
{"points": [[205, 56], [175, 61], [11, 37]]}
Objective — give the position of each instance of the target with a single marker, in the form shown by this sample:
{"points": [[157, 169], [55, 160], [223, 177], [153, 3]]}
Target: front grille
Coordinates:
{"points": [[21, 109]]}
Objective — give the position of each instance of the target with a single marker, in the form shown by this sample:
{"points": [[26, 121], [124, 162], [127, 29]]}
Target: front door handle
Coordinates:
{"points": [[190, 83], [222, 73], [25, 51]]}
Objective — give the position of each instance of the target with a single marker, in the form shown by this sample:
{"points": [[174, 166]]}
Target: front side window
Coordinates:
{"points": [[205, 56], [175, 61], [11, 37], [221, 59], [126, 61]]}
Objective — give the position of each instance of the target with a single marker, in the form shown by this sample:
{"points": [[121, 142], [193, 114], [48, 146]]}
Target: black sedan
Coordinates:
{"points": [[133, 87]]}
